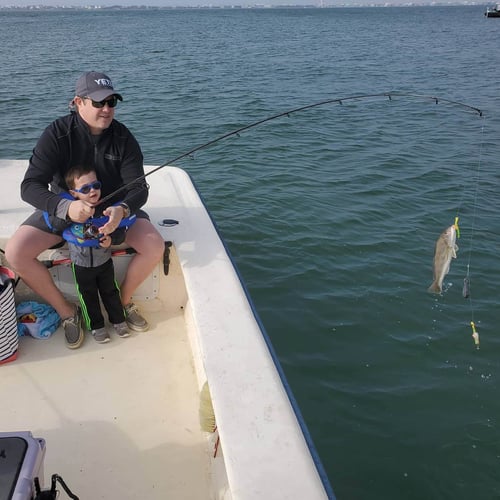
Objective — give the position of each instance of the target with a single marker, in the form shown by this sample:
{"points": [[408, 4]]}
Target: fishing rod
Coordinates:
{"points": [[236, 132]]}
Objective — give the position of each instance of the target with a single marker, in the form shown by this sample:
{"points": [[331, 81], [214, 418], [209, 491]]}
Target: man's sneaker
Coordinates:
{"points": [[134, 320], [101, 335], [121, 330], [73, 330]]}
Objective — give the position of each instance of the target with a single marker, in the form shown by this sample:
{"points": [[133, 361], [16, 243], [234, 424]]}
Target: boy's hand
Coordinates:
{"points": [[80, 211], [105, 241]]}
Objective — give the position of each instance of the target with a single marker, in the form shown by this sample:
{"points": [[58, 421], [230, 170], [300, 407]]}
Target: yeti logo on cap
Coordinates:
{"points": [[96, 86], [104, 82]]}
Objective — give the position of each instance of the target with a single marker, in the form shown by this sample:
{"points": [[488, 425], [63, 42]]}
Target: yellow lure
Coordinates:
{"points": [[457, 229], [475, 335]]}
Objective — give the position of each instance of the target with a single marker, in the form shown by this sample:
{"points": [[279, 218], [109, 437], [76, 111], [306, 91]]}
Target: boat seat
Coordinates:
{"points": [[63, 275]]}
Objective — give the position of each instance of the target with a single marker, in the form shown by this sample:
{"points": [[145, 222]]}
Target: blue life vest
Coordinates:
{"points": [[86, 234]]}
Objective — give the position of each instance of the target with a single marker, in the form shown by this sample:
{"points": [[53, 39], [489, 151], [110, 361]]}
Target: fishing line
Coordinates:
{"points": [[466, 288], [466, 184], [340, 101]]}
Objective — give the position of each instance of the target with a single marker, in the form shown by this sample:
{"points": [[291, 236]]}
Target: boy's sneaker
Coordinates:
{"points": [[121, 330], [101, 335], [73, 330], [134, 320]]}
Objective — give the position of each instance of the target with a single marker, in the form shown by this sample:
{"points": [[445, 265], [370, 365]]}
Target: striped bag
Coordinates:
{"points": [[8, 320]]}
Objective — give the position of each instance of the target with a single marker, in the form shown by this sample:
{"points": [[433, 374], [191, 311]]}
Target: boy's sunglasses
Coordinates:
{"points": [[111, 102], [87, 187]]}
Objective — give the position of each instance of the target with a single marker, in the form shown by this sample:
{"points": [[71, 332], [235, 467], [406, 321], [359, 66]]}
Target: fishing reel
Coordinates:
{"points": [[90, 231], [85, 234]]}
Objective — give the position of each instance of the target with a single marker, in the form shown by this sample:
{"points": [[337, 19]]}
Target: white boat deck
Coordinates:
{"points": [[121, 419]]}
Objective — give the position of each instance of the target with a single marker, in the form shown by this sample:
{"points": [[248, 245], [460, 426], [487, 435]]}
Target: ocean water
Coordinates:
{"points": [[331, 214]]}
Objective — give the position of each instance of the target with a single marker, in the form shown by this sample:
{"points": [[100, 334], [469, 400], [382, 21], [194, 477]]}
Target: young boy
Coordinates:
{"points": [[93, 266]]}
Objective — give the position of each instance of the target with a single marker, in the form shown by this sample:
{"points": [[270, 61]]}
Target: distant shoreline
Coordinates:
{"points": [[382, 4]]}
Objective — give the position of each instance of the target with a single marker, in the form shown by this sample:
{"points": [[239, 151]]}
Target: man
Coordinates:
{"points": [[89, 135]]}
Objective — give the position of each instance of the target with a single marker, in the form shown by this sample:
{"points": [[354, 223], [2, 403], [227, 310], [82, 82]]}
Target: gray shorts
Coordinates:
{"points": [[37, 219]]}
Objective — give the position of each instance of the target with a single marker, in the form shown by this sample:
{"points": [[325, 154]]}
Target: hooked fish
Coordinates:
{"points": [[446, 249]]}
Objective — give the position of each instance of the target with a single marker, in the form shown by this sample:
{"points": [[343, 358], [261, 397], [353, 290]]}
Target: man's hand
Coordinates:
{"points": [[80, 211], [115, 215]]}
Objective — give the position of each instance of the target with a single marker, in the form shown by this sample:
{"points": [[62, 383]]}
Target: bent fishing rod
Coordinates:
{"points": [[236, 132]]}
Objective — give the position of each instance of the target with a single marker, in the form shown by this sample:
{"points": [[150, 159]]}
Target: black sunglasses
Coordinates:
{"points": [[87, 187], [111, 102]]}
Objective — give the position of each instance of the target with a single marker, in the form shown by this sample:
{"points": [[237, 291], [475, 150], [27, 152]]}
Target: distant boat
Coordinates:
{"points": [[494, 12]]}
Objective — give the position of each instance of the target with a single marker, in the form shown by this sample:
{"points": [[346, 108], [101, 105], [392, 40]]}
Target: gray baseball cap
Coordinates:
{"points": [[95, 85]]}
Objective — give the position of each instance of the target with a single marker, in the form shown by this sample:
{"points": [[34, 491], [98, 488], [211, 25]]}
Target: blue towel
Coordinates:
{"points": [[35, 319]]}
